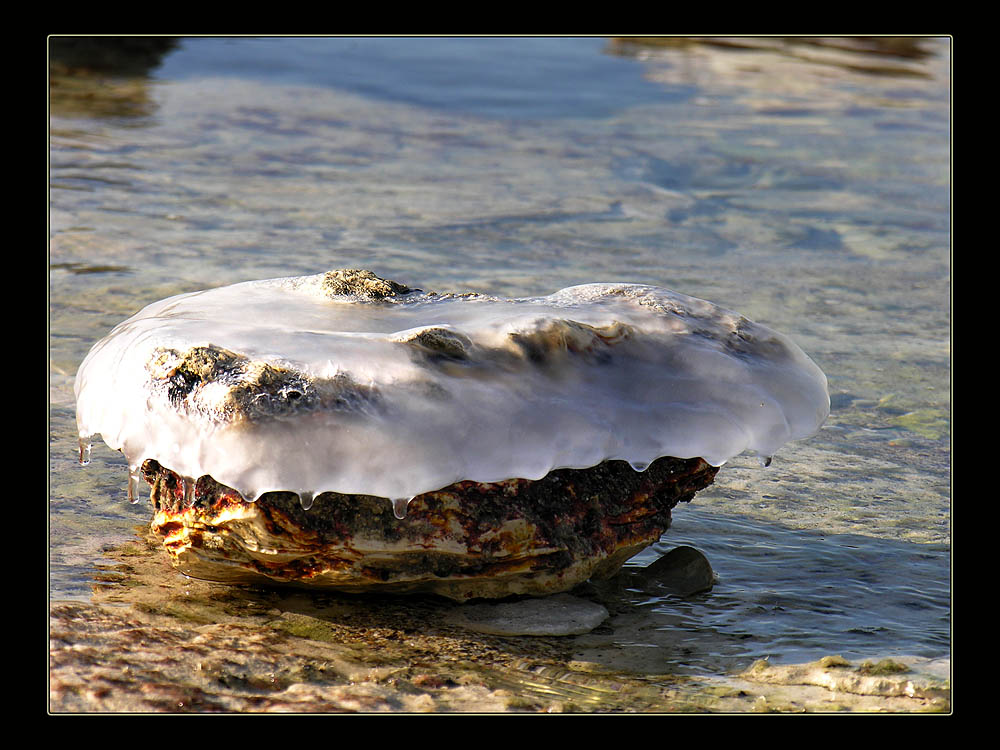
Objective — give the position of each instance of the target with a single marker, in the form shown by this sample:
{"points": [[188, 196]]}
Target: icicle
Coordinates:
{"points": [[133, 484], [85, 447], [189, 494], [306, 500], [399, 507]]}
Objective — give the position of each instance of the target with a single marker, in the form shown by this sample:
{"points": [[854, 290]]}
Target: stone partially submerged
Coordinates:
{"points": [[348, 431]]}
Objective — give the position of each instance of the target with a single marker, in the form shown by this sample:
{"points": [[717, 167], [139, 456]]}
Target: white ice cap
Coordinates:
{"points": [[347, 383]]}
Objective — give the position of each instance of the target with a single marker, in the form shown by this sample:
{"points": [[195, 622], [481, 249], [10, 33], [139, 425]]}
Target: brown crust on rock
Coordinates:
{"points": [[467, 540]]}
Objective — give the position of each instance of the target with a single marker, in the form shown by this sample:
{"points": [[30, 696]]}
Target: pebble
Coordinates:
{"points": [[683, 570]]}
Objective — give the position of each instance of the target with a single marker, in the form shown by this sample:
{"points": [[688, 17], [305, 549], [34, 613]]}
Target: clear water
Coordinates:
{"points": [[793, 596], [501, 78], [806, 187]]}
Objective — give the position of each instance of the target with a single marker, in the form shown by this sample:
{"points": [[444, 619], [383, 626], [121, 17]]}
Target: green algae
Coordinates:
{"points": [[830, 662], [930, 423], [303, 626], [883, 667]]}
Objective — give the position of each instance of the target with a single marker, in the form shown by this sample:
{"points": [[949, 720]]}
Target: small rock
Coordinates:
{"points": [[561, 614], [683, 570]]}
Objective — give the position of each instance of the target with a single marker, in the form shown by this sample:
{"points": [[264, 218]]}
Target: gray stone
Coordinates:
{"points": [[683, 570], [561, 614]]}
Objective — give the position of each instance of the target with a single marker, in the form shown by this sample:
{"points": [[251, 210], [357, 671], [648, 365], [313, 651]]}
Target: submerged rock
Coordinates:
{"points": [[348, 431], [560, 614]]}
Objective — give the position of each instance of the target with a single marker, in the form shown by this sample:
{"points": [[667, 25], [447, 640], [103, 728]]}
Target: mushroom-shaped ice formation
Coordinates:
{"points": [[347, 384]]}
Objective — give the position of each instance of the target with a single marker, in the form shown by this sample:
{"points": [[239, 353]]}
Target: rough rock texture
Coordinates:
{"points": [[465, 541], [362, 283], [226, 388]]}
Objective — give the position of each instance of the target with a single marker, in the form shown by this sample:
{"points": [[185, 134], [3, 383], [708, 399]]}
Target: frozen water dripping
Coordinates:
{"points": [[589, 373]]}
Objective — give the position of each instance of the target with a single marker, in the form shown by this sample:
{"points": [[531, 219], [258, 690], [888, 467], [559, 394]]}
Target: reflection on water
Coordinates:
{"points": [[873, 55], [103, 76], [119, 55], [492, 77], [785, 181]]}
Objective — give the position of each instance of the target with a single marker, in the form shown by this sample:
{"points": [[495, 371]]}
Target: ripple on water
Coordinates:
{"points": [[794, 595]]}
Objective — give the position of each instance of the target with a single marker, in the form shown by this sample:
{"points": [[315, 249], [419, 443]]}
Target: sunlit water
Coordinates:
{"points": [[806, 188]]}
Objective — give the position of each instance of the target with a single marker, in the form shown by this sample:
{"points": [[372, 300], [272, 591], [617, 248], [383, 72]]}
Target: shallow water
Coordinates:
{"points": [[792, 596], [806, 187]]}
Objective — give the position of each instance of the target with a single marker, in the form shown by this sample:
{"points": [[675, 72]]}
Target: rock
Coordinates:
{"points": [[560, 614], [683, 571], [343, 430], [464, 541], [887, 678], [360, 283], [345, 382]]}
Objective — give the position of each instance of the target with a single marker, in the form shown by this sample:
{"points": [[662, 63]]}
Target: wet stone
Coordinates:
{"points": [[561, 614], [683, 571]]}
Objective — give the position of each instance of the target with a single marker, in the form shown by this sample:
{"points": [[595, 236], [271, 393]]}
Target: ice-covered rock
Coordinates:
{"points": [[346, 431], [349, 383]]}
